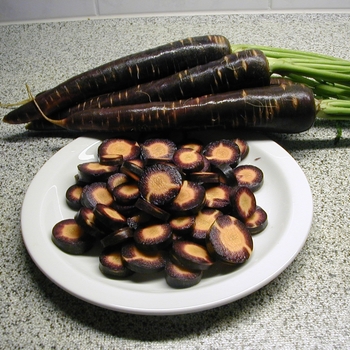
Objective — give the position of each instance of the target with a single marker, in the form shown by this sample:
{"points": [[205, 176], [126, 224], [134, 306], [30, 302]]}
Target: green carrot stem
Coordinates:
{"points": [[312, 83], [323, 89], [324, 66], [345, 105], [331, 91], [333, 109], [326, 116], [283, 53], [307, 60], [343, 66], [282, 67], [319, 63]]}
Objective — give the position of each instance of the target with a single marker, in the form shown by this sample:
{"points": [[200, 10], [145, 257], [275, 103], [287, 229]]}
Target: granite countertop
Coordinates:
{"points": [[305, 307]]}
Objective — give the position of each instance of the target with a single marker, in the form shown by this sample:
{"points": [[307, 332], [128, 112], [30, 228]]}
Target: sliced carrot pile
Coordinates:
{"points": [[166, 207]]}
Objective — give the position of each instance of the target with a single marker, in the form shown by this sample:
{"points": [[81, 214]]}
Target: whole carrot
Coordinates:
{"points": [[125, 72], [248, 68], [275, 108]]}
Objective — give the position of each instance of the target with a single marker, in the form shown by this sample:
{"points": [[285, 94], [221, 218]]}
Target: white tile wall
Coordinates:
{"points": [[29, 10], [41, 10], [107, 7], [309, 4]]}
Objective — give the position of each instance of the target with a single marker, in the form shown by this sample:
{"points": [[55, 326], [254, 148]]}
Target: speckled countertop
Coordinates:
{"points": [[306, 307]]}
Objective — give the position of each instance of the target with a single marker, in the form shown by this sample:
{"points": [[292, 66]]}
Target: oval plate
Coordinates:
{"points": [[285, 195]]}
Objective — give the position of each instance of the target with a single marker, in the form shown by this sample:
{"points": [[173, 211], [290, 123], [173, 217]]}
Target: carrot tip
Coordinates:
{"points": [[32, 98]]}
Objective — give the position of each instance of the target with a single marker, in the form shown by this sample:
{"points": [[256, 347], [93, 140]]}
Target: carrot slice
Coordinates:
{"points": [[192, 255], [70, 237], [257, 222], [244, 202], [140, 261], [128, 149], [178, 276], [249, 175], [203, 221], [190, 199], [222, 152], [188, 159], [111, 263], [160, 183], [230, 240], [154, 150]]}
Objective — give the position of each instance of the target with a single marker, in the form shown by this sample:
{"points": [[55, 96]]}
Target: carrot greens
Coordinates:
{"points": [[327, 76]]}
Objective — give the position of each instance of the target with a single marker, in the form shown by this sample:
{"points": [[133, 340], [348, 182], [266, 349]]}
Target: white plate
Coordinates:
{"points": [[285, 195]]}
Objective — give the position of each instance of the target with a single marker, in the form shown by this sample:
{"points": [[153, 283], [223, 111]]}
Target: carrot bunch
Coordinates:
{"points": [[195, 83]]}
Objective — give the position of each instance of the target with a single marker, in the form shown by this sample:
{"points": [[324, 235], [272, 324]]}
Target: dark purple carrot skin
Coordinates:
{"points": [[274, 108], [42, 124], [243, 69], [280, 81], [124, 72]]}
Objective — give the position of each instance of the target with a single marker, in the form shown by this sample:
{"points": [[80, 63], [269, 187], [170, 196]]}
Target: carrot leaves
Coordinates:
{"points": [[327, 76]]}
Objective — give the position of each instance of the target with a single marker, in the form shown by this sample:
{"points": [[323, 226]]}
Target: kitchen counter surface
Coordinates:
{"points": [[306, 307]]}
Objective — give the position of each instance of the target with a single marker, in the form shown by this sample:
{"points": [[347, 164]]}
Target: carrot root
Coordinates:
{"points": [[276, 108]]}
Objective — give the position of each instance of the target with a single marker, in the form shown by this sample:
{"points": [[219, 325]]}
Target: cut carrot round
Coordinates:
{"points": [[226, 174], [86, 219], [126, 193], [230, 240], [155, 150], [222, 152], [137, 161], [196, 145], [138, 219], [203, 221], [205, 177], [115, 180], [140, 261], [128, 149], [192, 255], [111, 263], [218, 197], [111, 159], [188, 159], [117, 238], [244, 202], [257, 222], [94, 171], [95, 193], [152, 209], [182, 225], [178, 276], [108, 218], [249, 176], [243, 147], [190, 199], [70, 237], [153, 237], [132, 169], [160, 183], [73, 196]]}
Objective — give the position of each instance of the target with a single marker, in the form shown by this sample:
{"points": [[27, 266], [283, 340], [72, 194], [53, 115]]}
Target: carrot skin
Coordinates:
{"points": [[280, 81], [43, 125], [274, 108], [124, 72], [243, 69]]}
